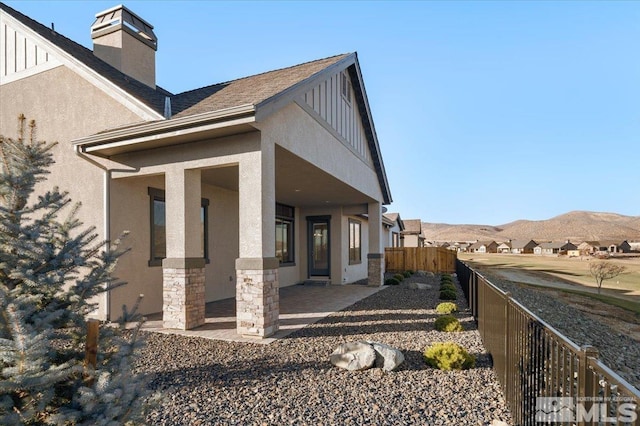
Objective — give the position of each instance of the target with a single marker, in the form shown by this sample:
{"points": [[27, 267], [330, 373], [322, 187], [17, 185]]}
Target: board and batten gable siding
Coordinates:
{"points": [[339, 111], [21, 56]]}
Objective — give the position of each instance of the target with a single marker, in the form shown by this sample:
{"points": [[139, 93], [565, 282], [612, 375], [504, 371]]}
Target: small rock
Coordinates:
{"points": [[354, 356]]}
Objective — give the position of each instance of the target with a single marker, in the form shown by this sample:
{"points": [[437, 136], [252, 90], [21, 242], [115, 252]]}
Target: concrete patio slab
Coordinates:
{"points": [[300, 305]]}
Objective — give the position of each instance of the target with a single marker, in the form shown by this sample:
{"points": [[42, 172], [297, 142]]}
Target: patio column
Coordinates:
{"points": [[257, 286], [375, 258], [183, 268]]}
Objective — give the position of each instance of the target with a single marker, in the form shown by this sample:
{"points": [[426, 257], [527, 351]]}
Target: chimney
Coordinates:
{"points": [[127, 42]]}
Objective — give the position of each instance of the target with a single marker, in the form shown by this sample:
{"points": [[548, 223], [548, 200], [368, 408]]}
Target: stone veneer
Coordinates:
{"points": [[183, 293], [375, 269], [257, 297]]}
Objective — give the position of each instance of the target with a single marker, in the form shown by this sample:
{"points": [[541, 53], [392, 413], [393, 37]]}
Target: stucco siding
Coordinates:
{"points": [[81, 110], [295, 130], [130, 212]]}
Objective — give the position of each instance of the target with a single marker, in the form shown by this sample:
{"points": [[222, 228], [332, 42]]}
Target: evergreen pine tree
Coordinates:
{"points": [[51, 270]]}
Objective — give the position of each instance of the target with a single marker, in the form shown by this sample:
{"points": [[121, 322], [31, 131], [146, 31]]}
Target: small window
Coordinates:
{"points": [[159, 227], [285, 220], [346, 87], [355, 245], [395, 242]]}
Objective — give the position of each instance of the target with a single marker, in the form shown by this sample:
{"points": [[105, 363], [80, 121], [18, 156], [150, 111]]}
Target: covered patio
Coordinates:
{"points": [[300, 305]]}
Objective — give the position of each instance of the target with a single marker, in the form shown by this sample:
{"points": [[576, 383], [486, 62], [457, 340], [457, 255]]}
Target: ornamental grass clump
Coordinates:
{"points": [[448, 356], [448, 294], [399, 277], [448, 323], [446, 308], [407, 274]]}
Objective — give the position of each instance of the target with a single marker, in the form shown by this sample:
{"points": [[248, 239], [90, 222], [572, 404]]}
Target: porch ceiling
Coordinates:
{"points": [[301, 184], [298, 183]]}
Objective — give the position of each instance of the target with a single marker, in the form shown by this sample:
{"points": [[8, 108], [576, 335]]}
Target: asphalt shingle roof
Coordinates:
{"points": [[248, 90]]}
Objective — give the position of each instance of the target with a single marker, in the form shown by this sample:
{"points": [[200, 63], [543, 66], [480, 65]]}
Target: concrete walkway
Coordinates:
{"points": [[300, 305]]}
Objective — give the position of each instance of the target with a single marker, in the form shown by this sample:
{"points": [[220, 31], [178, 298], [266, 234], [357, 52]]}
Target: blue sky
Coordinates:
{"points": [[486, 112]]}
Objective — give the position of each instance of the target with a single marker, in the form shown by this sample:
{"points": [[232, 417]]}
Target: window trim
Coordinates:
{"points": [[359, 225], [292, 241], [156, 194]]}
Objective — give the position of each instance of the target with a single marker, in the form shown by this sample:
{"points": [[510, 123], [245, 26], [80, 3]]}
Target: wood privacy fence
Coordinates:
{"points": [[432, 259], [538, 367]]}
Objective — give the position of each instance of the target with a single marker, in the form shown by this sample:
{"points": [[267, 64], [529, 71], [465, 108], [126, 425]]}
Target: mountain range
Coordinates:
{"points": [[576, 226]]}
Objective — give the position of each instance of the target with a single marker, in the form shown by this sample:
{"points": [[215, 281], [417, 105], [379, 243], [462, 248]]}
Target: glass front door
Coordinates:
{"points": [[319, 249]]}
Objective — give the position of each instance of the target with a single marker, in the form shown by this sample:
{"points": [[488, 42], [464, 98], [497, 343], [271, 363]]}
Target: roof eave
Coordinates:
{"points": [[190, 127]]}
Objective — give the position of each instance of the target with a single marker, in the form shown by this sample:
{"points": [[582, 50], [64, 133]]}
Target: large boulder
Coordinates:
{"points": [[354, 356], [387, 357], [419, 286]]}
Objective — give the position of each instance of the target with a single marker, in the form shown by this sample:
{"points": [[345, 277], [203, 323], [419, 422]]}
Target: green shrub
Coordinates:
{"points": [[391, 281], [399, 277], [446, 277], [446, 308], [447, 286], [448, 356], [448, 323], [407, 274], [448, 295], [411, 271]]}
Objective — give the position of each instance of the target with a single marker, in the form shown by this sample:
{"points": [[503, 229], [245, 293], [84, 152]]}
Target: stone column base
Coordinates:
{"points": [[183, 293], [257, 297], [375, 269]]}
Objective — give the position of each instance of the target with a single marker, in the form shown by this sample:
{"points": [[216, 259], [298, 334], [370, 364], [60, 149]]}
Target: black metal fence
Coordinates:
{"points": [[545, 377]]}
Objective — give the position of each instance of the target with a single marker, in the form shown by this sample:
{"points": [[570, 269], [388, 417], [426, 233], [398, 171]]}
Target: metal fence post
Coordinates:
{"points": [[507, 348], [586, 384]]}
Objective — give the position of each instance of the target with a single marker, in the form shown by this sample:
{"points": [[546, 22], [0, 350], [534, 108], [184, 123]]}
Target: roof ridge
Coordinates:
{"points": [[262, 73]]}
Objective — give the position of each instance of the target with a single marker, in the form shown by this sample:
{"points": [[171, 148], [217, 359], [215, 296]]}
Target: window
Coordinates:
{"points": [[285, 220], [159, 227], [345, 87], [395, 239], [355, 246]]}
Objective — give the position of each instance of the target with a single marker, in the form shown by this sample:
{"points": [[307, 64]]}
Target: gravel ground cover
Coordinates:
{"points": [[291, 381], [618, 351]]}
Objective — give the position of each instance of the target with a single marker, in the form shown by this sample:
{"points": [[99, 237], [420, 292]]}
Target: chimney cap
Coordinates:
{"points": [[121, 18]]}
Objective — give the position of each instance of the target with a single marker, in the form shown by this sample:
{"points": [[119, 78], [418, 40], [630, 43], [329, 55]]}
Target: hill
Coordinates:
{"points": [[575, 226]]}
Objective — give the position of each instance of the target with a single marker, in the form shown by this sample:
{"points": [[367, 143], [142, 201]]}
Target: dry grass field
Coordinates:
{"points": [[571, 271], [569, 280]]}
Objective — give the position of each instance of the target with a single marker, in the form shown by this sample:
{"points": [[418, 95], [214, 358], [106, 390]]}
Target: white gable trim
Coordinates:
{"points": [[120, 95]]}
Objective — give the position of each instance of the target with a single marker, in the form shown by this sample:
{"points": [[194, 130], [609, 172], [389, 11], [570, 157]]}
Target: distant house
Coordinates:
{"points": [[463, 247], [553, 248], [412, 233], [522, 246], [504, 247], [588, 247], [614, 246], [484, 247], [392, 229]]}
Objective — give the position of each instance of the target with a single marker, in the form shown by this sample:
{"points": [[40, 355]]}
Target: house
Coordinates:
{"points": [[484, 247], [522, 246], [604, 246], [412, 234], [588, 247], [230, 190], [393, 227], [504, 247], [614, 246], [553, 248]]}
